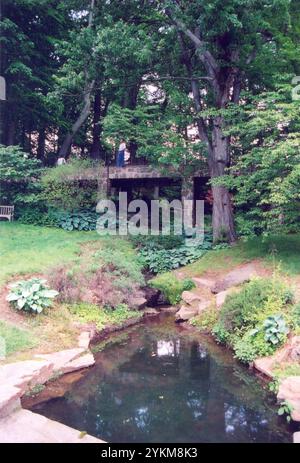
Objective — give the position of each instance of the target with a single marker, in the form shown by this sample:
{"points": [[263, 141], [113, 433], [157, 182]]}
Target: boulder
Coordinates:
{"points": [[139, 303], [289, 390], [221, 297], [296, 438], [189, 297], [186, 313], [202, 306], [264, 365], [149, 312], [234, 278], [9, 399]]}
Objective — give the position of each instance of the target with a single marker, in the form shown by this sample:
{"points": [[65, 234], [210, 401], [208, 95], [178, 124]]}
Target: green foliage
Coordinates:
{"points": [[160, 261], [19, 174], [253, 321], [285, 409], [31, 295], [275, 329], [28, 215], [206, 321], [267, 160], [296, 315], [82, 221], [16, 165], [103, 317], [251, 345], [68, 188], [171, 287]]}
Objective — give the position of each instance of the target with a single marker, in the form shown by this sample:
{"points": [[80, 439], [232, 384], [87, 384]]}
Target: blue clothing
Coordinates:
{"points": [[121, 158]]}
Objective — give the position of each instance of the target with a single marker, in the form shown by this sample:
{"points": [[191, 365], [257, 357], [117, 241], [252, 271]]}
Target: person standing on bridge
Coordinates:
{"points": [[121, 154]]}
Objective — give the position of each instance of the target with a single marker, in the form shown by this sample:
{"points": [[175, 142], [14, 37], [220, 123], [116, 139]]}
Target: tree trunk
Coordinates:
{"points": [[87, 92], [65, 148], [96, 145], [41, 144]]}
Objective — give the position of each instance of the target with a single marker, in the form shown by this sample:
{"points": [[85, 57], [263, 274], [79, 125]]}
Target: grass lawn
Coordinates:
{"points": [[279, 249], [16, 339], [29, 249]]}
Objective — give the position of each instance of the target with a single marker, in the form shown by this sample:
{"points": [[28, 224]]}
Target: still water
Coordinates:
{"points": [[158, 383]]}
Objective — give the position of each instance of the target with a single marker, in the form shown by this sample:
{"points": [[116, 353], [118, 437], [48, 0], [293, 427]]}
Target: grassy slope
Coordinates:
{"points": [[26, 249], [281, 249], [29, 249]]}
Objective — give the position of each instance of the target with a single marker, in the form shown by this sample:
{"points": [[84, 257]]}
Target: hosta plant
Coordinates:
{"points": [[31, 295], [275, 328]]}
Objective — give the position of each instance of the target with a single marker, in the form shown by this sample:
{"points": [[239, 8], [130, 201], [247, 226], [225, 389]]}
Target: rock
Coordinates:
{"points": [[296, 438], [39, 429], [186, 313], [234, 278], [294, 351], [9, 399], [168, 309], [289, 390], [26, 374], [84, 340], [221, 297], [79, 363], [264, 365], [202, 306], [151, 312], [139, 303], [204, 282], [189, 297], [59, 359], [152, 296]]}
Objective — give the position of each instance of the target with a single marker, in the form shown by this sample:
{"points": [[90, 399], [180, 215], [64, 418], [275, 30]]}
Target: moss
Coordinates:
{"points": [[102, 317], [171, 287]]}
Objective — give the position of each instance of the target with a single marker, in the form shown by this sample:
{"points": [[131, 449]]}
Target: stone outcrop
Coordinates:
{"points": [[296, 438], [189, 297], [234, 278], [186, 313], [24, 426], [289, 391]]}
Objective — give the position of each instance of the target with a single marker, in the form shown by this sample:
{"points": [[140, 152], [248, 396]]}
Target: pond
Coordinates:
{"points": [[161, 383]]}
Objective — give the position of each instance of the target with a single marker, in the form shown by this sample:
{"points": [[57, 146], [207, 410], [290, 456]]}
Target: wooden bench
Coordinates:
{"points": [[7, 212]]}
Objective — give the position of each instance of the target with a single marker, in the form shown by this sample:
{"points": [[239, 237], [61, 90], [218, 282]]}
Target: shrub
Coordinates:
{"points": [[256, 300], [171, 287], [251, 345], [296, 315], [220, 333], [34, 216], [275, 329], [206, 320], [31, 295], [67, 187], [108, 276], [82, 221], [160, 261], [250, 321]]}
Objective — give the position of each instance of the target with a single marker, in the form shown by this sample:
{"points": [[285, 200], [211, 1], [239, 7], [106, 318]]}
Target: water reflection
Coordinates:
{"points": [[163, 385], [168, 348]]}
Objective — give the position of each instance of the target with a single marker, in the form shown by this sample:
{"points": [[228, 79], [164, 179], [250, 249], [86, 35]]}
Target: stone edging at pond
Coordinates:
{"points": [[20, 378], [194, 303]]}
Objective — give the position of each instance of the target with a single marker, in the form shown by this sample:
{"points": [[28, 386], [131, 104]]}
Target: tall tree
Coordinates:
{"points": [[224, 39]]}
